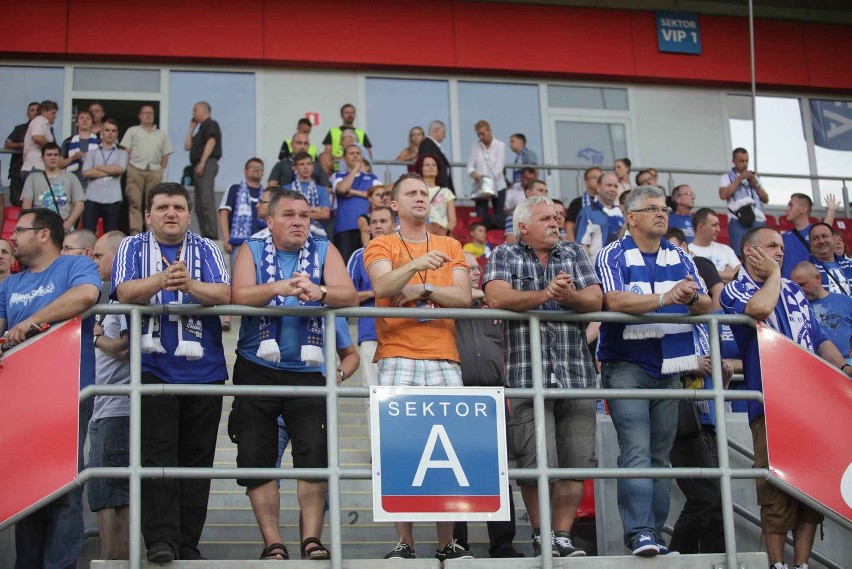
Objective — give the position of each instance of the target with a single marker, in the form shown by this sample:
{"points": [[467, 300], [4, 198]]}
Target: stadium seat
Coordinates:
{"points": [[495, 237], [723, 233], [771, 221], [465, 215], [11, 214]]}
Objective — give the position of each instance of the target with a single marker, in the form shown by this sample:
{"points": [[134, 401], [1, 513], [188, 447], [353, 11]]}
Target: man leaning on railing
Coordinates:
{"points": [[288, 268], [540, 272], [642, 273], [171, 265], [760, 292]]}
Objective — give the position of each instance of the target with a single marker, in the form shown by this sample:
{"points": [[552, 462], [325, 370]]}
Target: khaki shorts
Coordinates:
{"points": [[779, 512], [570, 426]]}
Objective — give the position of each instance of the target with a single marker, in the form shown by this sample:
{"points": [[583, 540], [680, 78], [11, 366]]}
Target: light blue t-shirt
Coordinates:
{"points": [[834, 313], [289, 330], [25, 293]]}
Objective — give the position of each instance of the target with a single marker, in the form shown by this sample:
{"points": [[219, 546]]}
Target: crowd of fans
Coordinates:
{"points": [[324, 230]]}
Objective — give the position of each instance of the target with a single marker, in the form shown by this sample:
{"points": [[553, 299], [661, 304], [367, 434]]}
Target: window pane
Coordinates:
{"points": [[594, 144], [781, 145], [394, 106], [587, 97], [832, 125], [123, 80], [508, 108]]}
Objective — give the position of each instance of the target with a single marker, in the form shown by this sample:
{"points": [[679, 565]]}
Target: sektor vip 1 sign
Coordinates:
{"points": [[439, 454]]}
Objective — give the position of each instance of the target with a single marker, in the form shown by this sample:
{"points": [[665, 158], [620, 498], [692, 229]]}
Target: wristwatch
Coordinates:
{"points": [[341, 374], [428, 289], [694, 299], [324, 291], [95, 339]]}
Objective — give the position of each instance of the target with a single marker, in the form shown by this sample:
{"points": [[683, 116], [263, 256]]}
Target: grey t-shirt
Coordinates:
{"points": [[67, 191], [110, 371]]}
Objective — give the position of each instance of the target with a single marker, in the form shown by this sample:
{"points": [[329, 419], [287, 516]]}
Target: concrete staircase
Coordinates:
{"points": [[231, 531]]}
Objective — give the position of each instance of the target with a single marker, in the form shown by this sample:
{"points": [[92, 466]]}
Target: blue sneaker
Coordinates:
{"points": [[644, 544], [665, 550]]}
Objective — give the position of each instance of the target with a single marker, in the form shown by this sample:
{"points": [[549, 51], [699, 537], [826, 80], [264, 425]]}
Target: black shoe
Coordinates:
{"points": [[401, 551], [160, 552], [562, 541], [453, 551], [536, 541]]}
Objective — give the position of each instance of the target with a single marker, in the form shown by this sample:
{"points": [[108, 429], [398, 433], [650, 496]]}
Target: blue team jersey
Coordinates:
{"points": [[361, 280], [168, 367], [734, 298]]}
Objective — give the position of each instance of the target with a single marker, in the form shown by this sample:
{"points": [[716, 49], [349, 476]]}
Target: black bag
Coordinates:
{"points": [[745, 215], [688, 424], [187, 178], [233, 430]]}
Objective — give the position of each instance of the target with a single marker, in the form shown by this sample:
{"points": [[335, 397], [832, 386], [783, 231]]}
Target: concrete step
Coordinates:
{"points": [[703, 561]]}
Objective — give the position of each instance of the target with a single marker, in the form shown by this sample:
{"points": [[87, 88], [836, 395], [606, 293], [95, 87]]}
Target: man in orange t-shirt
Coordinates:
{"points": [[412, 268]]}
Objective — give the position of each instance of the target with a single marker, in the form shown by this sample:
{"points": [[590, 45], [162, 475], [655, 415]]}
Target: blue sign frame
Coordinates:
{"points": [[678, 32], [439, 454]]}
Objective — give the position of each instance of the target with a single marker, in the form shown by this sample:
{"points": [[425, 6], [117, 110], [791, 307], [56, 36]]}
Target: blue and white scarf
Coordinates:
{"points": [[74, 145], [677, 342], [587, 199], [311, 328], [796, 311], [242, 220], [189, 327]]}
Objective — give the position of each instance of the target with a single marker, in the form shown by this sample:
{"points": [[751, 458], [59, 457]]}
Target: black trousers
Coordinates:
{"points": [[177, 430], [699, 527], [500, 534], [496, 220]]}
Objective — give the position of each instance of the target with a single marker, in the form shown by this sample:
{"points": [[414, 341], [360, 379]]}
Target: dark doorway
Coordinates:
{"points": [[126, 113]]}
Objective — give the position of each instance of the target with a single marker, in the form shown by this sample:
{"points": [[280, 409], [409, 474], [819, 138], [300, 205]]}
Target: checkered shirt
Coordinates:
{"points": [[566, 360]]}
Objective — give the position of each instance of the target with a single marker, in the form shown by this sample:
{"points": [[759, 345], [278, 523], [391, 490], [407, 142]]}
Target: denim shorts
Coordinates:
{"points": [[109, 445]]}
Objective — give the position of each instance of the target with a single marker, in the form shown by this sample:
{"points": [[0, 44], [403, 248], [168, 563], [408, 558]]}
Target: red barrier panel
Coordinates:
{"points": [[808, 420], [39, 413]]}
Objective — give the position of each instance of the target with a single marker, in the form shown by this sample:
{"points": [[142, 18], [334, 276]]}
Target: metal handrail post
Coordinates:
{"points": [[845, 193], [333, 441], [135, 462], [544, 514], [722, 446]]}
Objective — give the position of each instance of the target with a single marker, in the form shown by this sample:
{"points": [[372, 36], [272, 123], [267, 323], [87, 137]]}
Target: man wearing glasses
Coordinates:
{"points": [[643, 273], [52, 288]]}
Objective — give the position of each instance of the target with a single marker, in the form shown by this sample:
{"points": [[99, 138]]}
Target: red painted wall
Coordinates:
{"points": [[439, 35]]}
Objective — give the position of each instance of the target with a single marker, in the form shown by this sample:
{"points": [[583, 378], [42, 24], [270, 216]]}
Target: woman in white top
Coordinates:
{"points": [[622, 171], [442, 210]]}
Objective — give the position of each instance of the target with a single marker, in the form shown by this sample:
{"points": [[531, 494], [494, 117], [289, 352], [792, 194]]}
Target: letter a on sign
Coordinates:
{"points": [[426, 461]]}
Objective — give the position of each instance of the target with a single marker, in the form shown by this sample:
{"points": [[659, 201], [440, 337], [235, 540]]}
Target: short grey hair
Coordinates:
{"points": [[437, 124], [523, 212], [638, 194]]}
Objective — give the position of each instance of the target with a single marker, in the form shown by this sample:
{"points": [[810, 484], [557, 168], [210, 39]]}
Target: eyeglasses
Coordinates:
{"points": [[19, 230], [653, 209]]}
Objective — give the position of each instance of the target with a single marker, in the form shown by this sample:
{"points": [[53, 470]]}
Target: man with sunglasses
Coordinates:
{"points": [[52, 288], [643, 273]]}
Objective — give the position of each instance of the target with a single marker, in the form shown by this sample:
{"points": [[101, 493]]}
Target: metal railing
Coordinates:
{"points": [[578, 169], [334, 473]]}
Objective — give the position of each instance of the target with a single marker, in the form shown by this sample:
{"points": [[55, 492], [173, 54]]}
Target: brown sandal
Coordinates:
{"points": [[275, 552], [315, 553]]}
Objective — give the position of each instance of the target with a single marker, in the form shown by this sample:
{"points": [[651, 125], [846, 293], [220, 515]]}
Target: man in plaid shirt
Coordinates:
{"points": [[540, 272]]}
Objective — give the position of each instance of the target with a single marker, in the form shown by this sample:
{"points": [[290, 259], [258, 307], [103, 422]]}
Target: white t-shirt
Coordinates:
{"points": [[719, 254], [39, 126]]}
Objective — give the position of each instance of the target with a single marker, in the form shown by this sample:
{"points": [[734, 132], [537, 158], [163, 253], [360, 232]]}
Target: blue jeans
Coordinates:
{"points": [[736, 232], [646, 430]]}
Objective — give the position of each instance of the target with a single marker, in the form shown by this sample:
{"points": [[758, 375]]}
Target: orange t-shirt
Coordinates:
{"points": [[407, 337]]}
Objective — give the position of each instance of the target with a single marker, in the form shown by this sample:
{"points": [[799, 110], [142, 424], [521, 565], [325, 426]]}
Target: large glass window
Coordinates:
{"points": [[832, 132], [584, 142], [232, 103], [508, 108], [781, 144], [20, 86], [394, 106]]}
